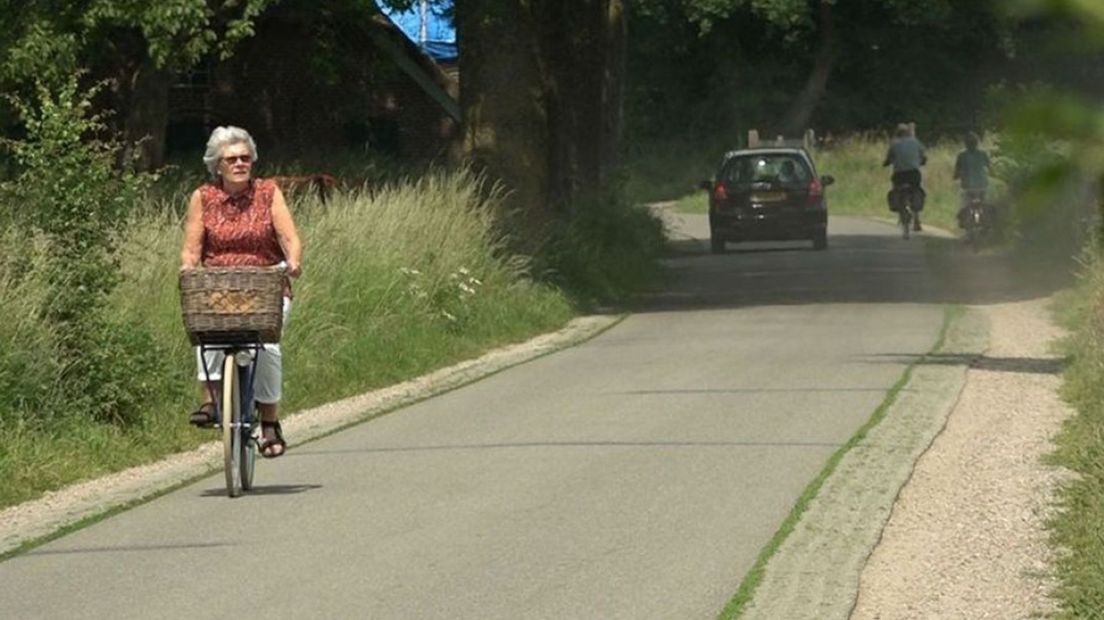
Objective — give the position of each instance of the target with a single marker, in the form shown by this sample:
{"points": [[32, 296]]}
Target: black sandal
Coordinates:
{"points": [[264, 443], [204, 417]]}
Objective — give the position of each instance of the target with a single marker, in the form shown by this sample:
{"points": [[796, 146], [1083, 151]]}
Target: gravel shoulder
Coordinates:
{"points": [[967, 535], [815, 572], [940, 511]]}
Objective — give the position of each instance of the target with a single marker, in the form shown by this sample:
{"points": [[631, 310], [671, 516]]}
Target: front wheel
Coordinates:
{"points": [[973, 228], [232, 449], [248, 455]]}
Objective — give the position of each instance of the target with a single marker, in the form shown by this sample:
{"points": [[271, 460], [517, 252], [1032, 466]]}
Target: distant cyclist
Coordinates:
{"points": [[907, 155], [972, 172]]}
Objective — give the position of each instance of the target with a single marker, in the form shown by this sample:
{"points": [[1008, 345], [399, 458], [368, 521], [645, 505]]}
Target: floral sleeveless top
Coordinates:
{"points": [[238, 230]]}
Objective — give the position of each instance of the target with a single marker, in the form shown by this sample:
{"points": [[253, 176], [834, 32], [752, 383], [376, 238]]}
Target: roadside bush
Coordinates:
{"points": [[74, 197], [607, 250], [1054, 212]]}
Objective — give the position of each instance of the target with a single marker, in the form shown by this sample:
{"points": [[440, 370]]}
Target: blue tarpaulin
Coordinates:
{"points": [[428, 25]]}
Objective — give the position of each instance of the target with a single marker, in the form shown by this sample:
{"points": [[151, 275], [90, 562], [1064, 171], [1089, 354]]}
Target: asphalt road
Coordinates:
{"points": [[636, 475]]}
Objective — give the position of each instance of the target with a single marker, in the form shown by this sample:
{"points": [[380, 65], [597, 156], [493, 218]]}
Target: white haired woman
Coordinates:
{"points": [[239, 220]]}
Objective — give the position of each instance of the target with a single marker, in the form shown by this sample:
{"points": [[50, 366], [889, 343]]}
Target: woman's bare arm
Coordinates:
{"points": [[286, 233], [193, 233]]}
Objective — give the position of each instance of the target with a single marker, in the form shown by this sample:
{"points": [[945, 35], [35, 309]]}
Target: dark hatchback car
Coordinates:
{"points": [[767, 194]]}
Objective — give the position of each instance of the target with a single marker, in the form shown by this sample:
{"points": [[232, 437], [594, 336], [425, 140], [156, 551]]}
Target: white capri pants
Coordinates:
{"points": [[267, 384]]}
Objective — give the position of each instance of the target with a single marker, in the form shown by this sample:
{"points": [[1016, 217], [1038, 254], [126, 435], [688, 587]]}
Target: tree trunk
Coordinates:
{"points": [[139, 97], [613, 100], [503, 102], [146, 107], [801, 111], [541, 95]]}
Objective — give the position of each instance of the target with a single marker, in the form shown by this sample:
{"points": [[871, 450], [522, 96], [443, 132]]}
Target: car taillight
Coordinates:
{"points": [[719, 193], [816, 191]]}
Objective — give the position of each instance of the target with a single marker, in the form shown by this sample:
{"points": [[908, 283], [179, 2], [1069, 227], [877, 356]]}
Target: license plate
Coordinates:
{"points": [[768, 196]]}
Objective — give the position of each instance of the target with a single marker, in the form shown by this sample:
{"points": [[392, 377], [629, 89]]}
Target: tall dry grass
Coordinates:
{"points": [[396, 283]]}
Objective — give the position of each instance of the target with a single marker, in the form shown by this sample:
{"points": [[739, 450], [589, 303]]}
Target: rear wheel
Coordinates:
{"points": [[820, 241], [904, 218], [231, 427], [716, 245]]}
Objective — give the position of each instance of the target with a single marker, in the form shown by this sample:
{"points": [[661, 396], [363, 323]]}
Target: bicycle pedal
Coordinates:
{"points": [[204, 423]]}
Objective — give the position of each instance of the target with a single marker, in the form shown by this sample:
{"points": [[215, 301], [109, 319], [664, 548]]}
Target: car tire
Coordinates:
{"points": [[716, 245], [820, 242]]}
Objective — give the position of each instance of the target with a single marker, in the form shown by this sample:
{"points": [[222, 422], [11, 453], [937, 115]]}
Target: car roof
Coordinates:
{"points": [[771, 150]]}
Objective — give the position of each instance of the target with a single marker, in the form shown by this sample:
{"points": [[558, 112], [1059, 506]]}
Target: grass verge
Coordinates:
{"points": [[1076, 529], [754, 577]]}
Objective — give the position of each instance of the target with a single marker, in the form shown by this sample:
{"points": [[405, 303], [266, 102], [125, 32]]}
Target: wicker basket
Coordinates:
{"points": [[232, 305]]}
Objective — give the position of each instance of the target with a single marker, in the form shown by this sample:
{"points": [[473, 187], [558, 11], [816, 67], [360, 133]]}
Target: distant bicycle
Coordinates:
{"points": [[976, 218]]}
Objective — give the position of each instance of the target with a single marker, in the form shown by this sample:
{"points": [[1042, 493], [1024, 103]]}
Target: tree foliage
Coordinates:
{"points": [[862, 64], [793, 18], [53, 38]]}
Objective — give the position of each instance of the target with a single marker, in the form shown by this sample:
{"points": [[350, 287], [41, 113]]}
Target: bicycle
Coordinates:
{"points": [[975, 217], [234, 310], [905, 200]]}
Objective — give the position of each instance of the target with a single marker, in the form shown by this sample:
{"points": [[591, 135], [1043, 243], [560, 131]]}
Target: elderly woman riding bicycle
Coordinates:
{"points": [[239, 220]]}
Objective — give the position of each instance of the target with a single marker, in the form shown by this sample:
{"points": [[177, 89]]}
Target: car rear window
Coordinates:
{"points": [[776, 168]]}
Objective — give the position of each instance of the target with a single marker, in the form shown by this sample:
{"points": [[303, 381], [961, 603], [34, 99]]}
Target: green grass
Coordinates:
{"points": [[397, 283], [1078, 528]]}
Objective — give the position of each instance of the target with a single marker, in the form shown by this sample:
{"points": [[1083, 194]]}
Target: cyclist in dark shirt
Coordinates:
{"points": [[972, 172]]}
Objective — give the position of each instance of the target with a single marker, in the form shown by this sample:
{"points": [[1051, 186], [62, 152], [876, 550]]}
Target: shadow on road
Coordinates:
{"points": [[124, 548], [566, 444], [272, 489], [1026, 365], [857, 268]]}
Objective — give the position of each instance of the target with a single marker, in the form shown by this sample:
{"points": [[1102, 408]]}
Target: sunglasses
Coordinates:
{"points": [[233, 159]]}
